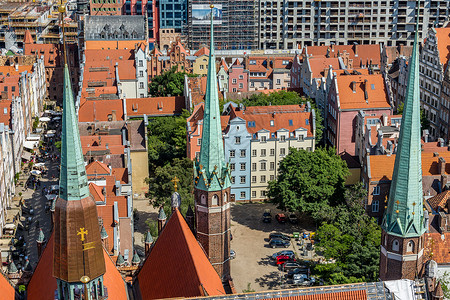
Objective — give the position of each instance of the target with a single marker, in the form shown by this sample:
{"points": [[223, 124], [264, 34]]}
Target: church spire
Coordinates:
{"points": [[212, 172], [404, 214]]}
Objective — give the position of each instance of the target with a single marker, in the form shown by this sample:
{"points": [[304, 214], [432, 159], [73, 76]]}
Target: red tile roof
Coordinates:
{"points": [[319, 65], [6, 289], [5, 112], [96, 192], [98, 140], [375, 88], [188, 272], [202, 51], [437, 247], [350, 295], [97, 168], [223, 64], [158, 106], [362, 55], [98, 110], [281, 115], [439, 201], [443, 45], [42, 285]]}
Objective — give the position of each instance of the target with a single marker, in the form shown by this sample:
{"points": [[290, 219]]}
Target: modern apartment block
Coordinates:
{"points": [[236, 24], [172, 14], [297, 23]]}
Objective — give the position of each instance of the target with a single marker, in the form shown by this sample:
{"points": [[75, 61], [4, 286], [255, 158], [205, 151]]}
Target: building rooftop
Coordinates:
{"points": [[443, 44]]}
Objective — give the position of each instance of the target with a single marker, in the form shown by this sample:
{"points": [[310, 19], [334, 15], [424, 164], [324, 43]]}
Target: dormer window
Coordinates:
{"points": [[263, 138]]}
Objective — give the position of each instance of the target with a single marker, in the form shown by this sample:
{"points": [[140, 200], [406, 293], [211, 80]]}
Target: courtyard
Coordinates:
{"points": [[252, 264]]}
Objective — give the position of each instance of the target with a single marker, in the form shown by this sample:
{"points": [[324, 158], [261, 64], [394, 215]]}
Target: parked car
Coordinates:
{"points": [[267, 216], [293, 218], [278, 235], [284, 252], [284, 258], [290, 265], [232, 254], [302, 279], [301, 270], [281, 218], [279, 243]]}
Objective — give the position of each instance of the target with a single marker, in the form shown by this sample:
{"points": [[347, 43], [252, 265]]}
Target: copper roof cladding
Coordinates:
{"points": [[69, 264]]}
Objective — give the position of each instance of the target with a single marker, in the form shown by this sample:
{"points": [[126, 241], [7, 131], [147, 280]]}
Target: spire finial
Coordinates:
{"points": [[211, 47]]}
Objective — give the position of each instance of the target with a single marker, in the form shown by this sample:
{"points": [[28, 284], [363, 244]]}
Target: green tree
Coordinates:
{"points": [[424, 122], [161, 185], [168, 83], [310, 182], [445, 284], [166, 139], [352, 240]]}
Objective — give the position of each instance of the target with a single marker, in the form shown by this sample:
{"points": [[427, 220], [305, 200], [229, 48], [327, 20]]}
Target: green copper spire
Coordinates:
{"points": [[120, 261], [12, 269], [103, 233], [161, 214], [148, 238], [136, 259], [211, 171], [404, 214], [41, 237], [73, 181]]}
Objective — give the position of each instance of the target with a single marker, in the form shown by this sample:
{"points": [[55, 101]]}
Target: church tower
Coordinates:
{"points": [[403, 224], [78, 254], [212, 179]]}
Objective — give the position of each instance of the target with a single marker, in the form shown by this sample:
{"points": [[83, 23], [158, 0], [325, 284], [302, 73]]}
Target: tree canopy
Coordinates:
{"points": [[352, 239], [284, 98], [309, 182], [168, 83]]}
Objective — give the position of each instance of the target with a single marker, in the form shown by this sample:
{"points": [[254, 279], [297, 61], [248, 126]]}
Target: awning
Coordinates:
{"points": [[36, 172], [26, 155], [10, 226], [44, 119], [30, 144]]}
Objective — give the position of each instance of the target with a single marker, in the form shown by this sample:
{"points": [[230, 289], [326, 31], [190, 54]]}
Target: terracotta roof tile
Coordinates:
{"points": [[437, 247], [155, 106], [97, 168], [98, 110], [320, 65], [6, 289], [28, 39], [439, 201], [202, 51], [98, 140], [361, 54], [156, 277], [350, 295], [375, 88], [96, 192], [443, 45]]}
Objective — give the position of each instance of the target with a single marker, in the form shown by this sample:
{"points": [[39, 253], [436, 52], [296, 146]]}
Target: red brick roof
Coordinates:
{"points": [[177, 266], [437, 247], [440, 200], [281, 115], [350, 295], [443, 45], [319, 65], [96, 192], [42, 285], [97, 168], [375, 87], [6, 289], [162, 106], [362, 55], [202, 51], [98, 110]]}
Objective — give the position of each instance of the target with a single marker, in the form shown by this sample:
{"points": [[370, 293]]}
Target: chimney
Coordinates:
{"points": [[441, 142], [385, 120], [114, 118], [444, 181], [425, 134], [380, 139], [441, 166], [354, 86], [366, 96]]}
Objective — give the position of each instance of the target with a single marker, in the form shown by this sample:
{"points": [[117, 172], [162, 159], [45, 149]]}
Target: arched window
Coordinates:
{"points": [[225, 198], [410, 247], [203, 199], [395, 245], [215, 200]]}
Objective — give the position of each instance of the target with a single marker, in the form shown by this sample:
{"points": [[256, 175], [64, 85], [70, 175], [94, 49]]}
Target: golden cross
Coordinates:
{"points": [[83, 233], [175, 180]]}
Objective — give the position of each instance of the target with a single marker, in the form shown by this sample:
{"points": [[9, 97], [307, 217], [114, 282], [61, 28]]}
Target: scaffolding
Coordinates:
{"points": [[238, 31]]}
